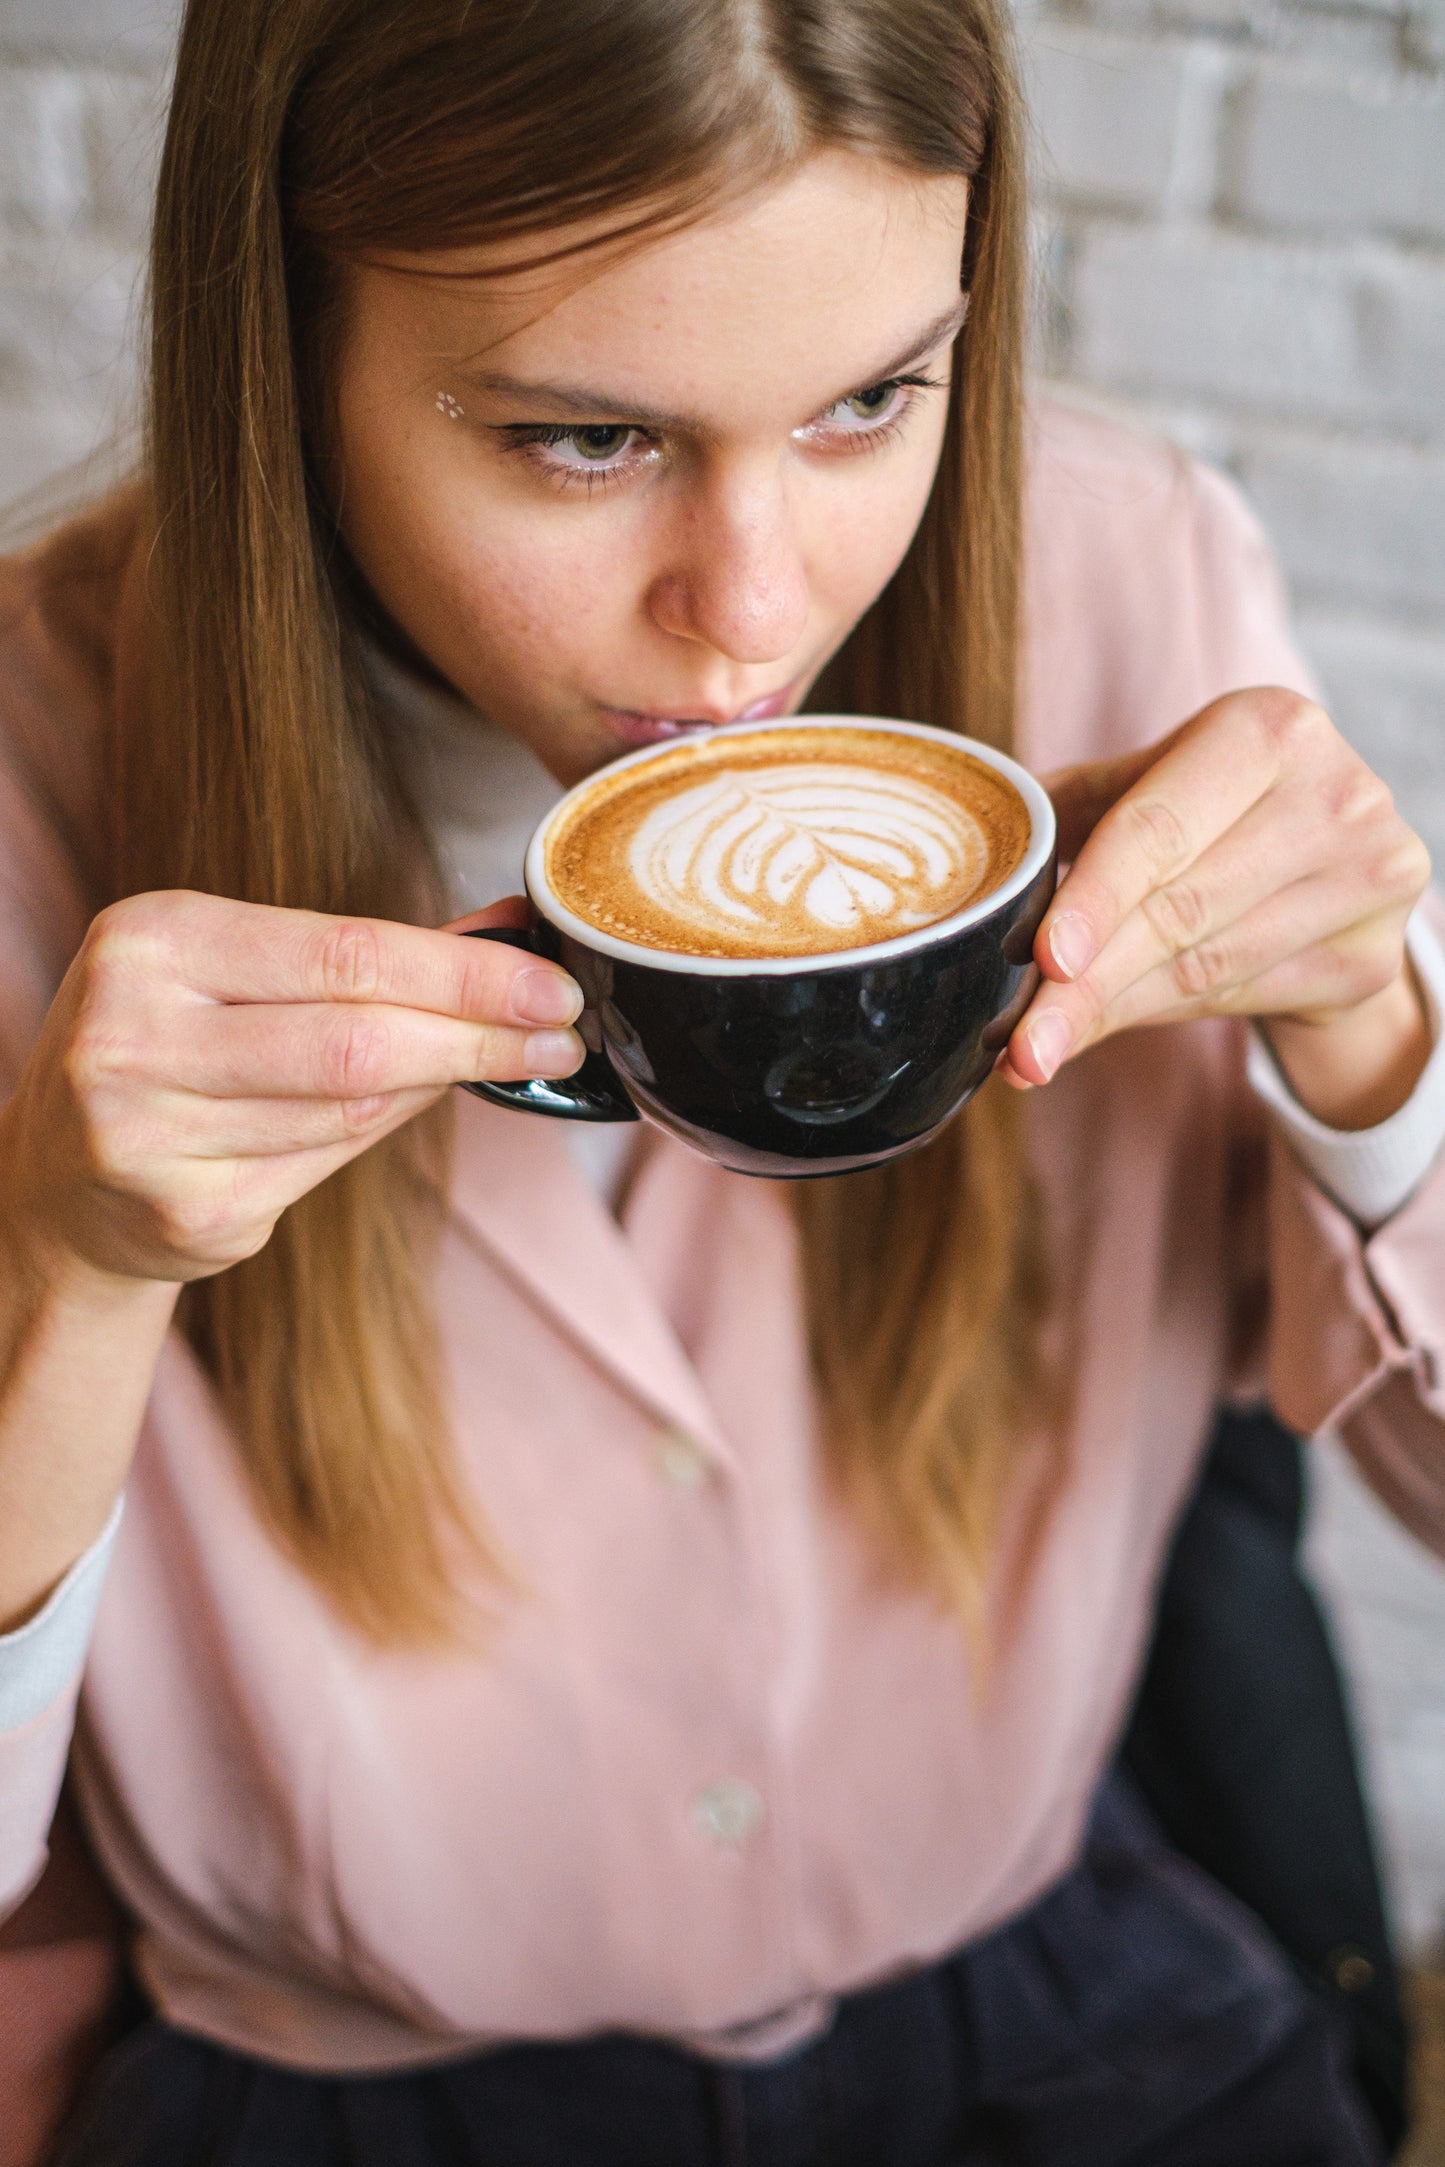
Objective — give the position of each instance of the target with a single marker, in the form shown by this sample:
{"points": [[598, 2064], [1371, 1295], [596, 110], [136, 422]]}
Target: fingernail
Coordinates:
{"points": [[552, 1053], [1048, 1036], [545, 997], [1071, 944]]}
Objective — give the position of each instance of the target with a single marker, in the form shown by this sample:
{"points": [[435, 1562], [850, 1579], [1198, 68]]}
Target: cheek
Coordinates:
{"points": [[479, 578], [862, 527], [524, 582]]}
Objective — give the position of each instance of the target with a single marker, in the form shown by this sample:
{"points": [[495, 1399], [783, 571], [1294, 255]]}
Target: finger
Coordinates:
{"points": [[1006, 1071], [514, 912], [250, 952], [1332, 971], [1213, 770], [1259, 950], [182, 1128], [350, 1051], [1193, 925], [209, 1201], [275, 1128]]}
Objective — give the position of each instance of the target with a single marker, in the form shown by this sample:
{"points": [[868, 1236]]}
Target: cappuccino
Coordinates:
{"points": [[786, 841]]}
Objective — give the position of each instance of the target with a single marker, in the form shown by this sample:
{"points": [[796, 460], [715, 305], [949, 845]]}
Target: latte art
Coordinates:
{"points": [[840, 850], [785, 841]]}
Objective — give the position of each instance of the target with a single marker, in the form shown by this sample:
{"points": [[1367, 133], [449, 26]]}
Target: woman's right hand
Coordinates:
{"points": [[206, 1062]]}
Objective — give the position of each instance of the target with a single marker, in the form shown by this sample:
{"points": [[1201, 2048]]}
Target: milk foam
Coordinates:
{"points": [[841, 848], [788, 839]]}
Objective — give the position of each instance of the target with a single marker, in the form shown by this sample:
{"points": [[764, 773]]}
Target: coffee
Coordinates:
{"points": [[786, 841]]}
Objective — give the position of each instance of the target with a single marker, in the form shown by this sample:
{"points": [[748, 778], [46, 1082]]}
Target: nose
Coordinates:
{"points": [[735, 579]]}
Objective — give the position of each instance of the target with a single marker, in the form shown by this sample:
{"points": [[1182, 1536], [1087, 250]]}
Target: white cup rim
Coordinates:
{"points": [[1035, 857]]}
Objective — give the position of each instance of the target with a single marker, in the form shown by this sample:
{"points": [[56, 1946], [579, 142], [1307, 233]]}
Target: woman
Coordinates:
{"points": [[603, 1660]]}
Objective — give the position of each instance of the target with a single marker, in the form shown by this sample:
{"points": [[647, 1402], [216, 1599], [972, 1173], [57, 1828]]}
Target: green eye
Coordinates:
{"points": [[599, 443], [868, 405]]}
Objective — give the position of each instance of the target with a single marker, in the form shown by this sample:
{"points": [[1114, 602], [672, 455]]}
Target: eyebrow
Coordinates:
{"points": [[573, 402]]}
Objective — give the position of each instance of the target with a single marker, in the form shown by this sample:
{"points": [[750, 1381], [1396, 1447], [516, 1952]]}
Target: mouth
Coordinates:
{"points": [[634, 727]]}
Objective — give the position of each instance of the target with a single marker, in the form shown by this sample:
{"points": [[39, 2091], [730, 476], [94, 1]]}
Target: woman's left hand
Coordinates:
{"points": [[1248, 865]]}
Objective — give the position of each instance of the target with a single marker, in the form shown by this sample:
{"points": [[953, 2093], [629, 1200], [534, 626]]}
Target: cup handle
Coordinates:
{"points": [[592, 1094]]}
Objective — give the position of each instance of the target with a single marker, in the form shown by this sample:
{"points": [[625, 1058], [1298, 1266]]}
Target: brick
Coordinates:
{"points": [[1386, 689], [1352, 334], [108, 30], [42, 150], [1340, 155], [1106, 111], [1354, 523], [124, 125]]}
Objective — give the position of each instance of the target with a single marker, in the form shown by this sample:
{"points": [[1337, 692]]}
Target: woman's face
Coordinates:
{"points": [[652, 489]]}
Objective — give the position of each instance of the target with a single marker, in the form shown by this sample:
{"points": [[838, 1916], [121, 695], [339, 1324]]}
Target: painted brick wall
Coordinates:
{"points": [[1242, 236], [1241, 239]]}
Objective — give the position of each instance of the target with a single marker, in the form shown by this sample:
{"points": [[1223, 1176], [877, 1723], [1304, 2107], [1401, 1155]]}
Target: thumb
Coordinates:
{"points": [[514, 911]]}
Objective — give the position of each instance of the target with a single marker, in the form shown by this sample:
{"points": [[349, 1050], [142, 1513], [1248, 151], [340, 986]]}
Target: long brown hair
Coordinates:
{"points": [[308, 134]]}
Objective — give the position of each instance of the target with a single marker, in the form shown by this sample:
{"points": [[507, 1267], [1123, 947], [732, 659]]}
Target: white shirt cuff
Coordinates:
{"points": [[40, 1659], [1371, 1172]]}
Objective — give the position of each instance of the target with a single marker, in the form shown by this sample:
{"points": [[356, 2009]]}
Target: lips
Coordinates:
{"points": [[635, 727]]}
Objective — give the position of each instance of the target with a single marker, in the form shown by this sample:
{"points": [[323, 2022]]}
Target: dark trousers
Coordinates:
{"points": [[1241, 1743], [1137, 2016]]}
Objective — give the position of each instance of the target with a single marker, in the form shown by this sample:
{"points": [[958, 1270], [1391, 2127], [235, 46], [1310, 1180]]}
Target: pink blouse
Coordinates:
{"points": [[711, 1772]]}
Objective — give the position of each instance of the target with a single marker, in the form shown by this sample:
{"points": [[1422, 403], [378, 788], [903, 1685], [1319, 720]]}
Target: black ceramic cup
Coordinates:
{"points": [[799, 1065]]}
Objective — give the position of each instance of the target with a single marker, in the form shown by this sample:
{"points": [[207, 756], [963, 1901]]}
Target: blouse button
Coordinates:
{"points": [[730, 1812], [681, 1460]]}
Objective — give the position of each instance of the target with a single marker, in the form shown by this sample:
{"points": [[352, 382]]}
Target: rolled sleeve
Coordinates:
{"points": [[40, 1671], [1358, 1334], [42, 1658], [1371, 1172]]}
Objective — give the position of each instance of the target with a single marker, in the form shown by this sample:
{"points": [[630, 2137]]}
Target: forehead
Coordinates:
{"points": [[800, 286]]}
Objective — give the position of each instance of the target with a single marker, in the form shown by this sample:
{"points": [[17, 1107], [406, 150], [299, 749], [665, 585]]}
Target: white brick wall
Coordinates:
{"points": [[1322, 151], [1242, 231]]}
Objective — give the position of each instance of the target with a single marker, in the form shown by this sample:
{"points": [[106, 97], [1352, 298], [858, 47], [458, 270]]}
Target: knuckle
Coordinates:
{"points": [[191, 1222], [1397, 874], [93, 1058], [1201, 971], [1176, 912], [1155, 828], [354, 1057], [1287, 721], [213, 1217], [120, 940], [1409, 867], [1357, 797], [349, 960], [356, 1116]]}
